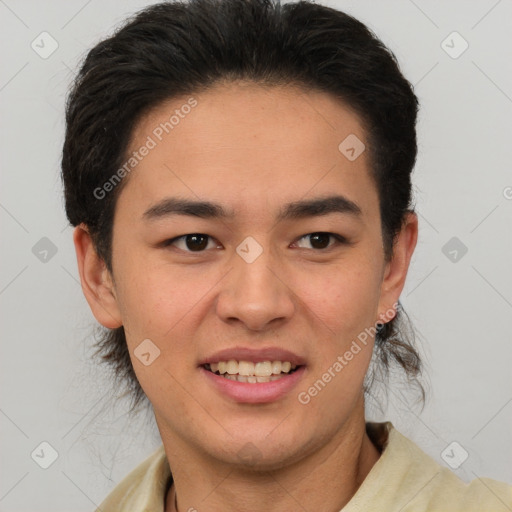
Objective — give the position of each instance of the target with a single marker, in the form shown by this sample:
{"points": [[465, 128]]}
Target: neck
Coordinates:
{"points": [[325, 480]]}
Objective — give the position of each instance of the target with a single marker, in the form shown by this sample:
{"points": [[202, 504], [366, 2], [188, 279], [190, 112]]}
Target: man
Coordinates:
{"points": [[238, 173]]}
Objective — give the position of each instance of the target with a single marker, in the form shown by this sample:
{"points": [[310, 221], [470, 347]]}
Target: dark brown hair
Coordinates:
{"points": [[179, 48]]}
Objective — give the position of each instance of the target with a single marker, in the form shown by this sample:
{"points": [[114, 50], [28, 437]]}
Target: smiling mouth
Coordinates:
{"points": [[252, 373]]}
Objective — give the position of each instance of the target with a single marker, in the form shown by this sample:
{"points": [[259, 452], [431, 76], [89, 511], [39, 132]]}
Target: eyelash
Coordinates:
{"points": [[340, 240]]}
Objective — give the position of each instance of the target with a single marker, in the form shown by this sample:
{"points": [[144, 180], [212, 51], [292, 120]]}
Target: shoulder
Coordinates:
{"points": [[407, 479], [143, 488]]}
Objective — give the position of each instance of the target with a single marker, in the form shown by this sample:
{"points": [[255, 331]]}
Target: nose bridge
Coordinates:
{"points": [[254, 293]]}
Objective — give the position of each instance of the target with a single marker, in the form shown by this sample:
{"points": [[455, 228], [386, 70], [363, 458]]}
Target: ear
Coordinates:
{"points": [[396, 269], [97, 282]]}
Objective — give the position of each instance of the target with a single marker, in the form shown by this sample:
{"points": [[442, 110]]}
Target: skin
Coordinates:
{"points": [[252, 150]]}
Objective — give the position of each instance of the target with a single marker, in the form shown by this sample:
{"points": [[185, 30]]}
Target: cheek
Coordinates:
{"points": [[343, 298], [150, 298], [164, 302], [157, 303], [344, 304]]}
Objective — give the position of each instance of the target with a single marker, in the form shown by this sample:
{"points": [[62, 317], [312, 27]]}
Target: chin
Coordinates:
{"points": [[259, 454]]}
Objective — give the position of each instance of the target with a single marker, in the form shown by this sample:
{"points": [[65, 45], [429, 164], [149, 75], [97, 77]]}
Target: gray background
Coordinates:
{"points": [[460, 303]]}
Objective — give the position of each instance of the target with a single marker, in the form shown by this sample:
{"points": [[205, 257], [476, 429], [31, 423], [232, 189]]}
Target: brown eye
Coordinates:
{"points": [[321, 240], [194, 242]]}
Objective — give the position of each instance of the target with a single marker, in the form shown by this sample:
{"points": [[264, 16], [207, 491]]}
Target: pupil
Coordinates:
{"points": [[322, 236], [196, 242]]}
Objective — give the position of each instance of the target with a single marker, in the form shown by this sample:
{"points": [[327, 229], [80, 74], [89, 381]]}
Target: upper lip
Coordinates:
{"points": [[256, 356]]}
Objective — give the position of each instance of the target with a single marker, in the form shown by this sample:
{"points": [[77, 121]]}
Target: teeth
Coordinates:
{"points": [[263, 369], [246, 368], [252, 379], [276, 367], [232, 367], [252, 372]]}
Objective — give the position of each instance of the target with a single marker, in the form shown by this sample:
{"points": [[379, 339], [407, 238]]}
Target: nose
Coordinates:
{"points": [[255, 294]]}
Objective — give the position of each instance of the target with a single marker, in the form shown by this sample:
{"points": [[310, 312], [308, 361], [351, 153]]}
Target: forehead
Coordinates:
{"points": [[247, 114], [252, 144]]}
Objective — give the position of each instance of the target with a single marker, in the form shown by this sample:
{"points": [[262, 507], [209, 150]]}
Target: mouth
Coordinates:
{"points": [[252, 373], [253, 382]]}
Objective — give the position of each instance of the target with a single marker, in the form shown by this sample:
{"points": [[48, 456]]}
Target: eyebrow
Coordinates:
{"points": [[316, 207]]}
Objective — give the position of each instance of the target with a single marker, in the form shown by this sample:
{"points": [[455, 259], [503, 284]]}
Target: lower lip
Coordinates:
{"points": [[257, 393]]}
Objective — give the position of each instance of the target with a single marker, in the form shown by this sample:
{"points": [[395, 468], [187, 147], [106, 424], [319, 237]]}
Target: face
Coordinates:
{"points": [[286, 263]]}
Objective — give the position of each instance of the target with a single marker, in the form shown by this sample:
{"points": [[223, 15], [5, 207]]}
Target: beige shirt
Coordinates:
{"points": [[404, 479]]}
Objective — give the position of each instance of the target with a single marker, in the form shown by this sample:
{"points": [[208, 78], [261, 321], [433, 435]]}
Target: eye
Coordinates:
{"points": [[320, 240], [198, 242], [193, 242]]}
